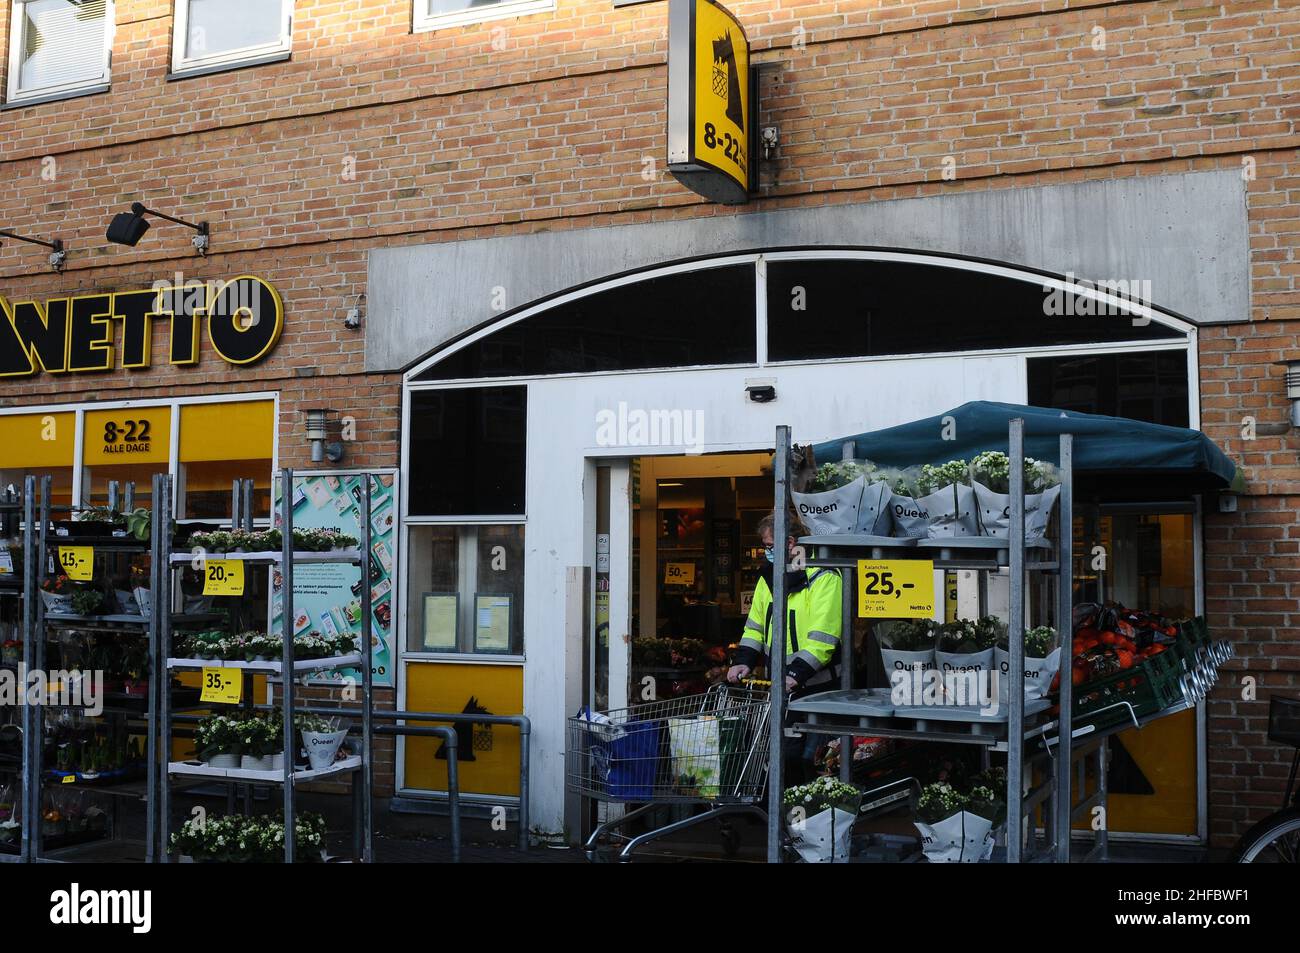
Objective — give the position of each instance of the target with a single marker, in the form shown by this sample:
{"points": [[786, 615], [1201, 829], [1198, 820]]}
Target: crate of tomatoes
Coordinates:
{"points": [[1125, 664]]}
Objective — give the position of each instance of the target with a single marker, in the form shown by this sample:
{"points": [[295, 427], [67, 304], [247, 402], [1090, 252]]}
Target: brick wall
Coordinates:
{"points": [[372, 137]]}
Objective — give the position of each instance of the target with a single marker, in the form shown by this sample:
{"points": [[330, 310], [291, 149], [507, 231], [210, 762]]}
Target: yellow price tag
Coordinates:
{"points": [[223, 577], [78, 562], [223, 686], [69, 778], [679, 574], [895, 588]]}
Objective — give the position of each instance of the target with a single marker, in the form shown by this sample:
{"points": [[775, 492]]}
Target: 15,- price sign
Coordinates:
{"points": [[223, 577], [222, 686], [78, 562], [895, 588]]}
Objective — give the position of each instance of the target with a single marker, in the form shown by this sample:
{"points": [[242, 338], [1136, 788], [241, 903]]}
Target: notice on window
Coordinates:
{"points": [[492, 624], [439, 622]]}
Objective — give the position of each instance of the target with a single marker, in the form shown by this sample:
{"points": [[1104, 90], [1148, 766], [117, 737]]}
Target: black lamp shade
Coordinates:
{"points": [[127, 228]]}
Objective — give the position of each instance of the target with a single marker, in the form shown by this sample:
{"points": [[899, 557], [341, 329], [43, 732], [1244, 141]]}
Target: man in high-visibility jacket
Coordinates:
{"points": [[814, 600]]}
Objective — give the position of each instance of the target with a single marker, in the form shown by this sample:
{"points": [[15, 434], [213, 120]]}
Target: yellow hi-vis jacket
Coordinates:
{"points": [[813, 624]]}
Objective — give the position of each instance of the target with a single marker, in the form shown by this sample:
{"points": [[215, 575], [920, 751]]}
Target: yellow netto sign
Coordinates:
{"points": [[243, 317], [710, 109]]}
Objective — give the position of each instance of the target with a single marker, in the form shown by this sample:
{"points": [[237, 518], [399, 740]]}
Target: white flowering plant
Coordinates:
{"points": [[907, 635], [822, 793], [233, 839], [939, 801], [989, 630], [993, 469], [959, 637], [931, 479]]}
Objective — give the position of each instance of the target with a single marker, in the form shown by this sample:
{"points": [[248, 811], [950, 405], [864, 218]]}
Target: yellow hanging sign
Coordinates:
{"points": [[222, 686], [78, 562], [679, 574], [895, 588], [223, 577]]}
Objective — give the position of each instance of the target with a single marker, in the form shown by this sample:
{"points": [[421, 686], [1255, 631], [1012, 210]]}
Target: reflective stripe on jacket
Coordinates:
{"points": [[813, 623]]}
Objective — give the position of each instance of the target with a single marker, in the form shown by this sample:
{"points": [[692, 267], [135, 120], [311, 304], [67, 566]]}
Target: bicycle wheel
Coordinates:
{"points": [[1274, 840]]}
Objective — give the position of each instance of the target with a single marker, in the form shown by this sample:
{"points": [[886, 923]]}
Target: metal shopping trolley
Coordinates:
{"points": [[709, 749]]}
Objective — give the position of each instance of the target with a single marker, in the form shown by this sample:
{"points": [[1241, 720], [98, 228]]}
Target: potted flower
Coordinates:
{"points": [[217, 741], [843, 497], [820, 816], [964, 646], [950, 832], [135, 669], [11, 651], [991, 481], [1042, 661], [944, 495], [258, 739], [86, 601], [906, 646], [56, 593]]}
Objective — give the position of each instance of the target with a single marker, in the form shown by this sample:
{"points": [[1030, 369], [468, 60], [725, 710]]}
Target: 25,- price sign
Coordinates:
{"points": [[222, 686], [895, 588], [223, 577]]}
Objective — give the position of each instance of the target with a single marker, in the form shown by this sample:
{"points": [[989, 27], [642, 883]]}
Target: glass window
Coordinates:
{"points": [[1144, 385], [59, 46], [679, 320], [432, 14], [466, 590], [228, 32], [124, 445], [827, 309], [467, 449]]}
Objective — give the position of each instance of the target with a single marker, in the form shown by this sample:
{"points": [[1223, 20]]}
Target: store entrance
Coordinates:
{"points": [[696, 558]]}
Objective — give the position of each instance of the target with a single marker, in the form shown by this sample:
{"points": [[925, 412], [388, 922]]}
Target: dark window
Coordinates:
{"points": [[1149, 386], [467, 451], [826, 309], [679, 320]]}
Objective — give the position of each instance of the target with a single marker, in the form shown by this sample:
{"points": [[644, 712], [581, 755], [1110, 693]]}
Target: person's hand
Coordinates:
{"points": [[737, 672], [791, 683]]}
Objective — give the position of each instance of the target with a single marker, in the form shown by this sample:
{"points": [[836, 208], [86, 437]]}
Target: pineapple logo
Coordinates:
{"points": [[470, 736]]}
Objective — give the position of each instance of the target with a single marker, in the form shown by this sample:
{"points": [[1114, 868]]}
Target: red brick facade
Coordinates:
{"points": [[371, 136]]}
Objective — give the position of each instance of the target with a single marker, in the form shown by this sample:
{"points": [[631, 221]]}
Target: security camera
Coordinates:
{"points": [[761, 393]]}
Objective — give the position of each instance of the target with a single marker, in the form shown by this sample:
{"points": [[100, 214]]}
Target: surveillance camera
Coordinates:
{"points": [[761, 393], [352, 320]]}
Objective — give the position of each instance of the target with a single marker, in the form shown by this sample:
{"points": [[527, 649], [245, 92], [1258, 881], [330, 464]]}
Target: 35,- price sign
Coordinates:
{"points": [[223, 577], [78, 562], [895, 588], [223, 686]]}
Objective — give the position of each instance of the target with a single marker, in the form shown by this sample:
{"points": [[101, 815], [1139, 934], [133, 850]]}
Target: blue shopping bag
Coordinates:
{"points": [[624, 756]]}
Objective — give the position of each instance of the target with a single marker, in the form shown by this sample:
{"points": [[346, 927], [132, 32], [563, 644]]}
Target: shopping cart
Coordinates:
{"points": [[709, 749]]}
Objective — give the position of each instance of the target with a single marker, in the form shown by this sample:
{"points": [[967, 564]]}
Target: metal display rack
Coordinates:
{"points": [[40, 624], [360, 768], [12, 506], [1021, 732]]}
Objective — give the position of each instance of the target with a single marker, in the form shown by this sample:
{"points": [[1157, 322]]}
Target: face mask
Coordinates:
{"points": [[768, 553]]}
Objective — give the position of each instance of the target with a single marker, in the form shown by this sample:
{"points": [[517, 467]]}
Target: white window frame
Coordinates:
{"points": [[81, 87], [243, 56], [423, 21]]}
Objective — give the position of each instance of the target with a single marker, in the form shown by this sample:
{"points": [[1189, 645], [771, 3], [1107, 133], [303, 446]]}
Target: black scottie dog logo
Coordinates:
{"points": [[724, 53], [465, 742]]}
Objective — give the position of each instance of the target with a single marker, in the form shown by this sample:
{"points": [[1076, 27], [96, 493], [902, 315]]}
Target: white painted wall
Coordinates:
{"points": [[820, 402]]}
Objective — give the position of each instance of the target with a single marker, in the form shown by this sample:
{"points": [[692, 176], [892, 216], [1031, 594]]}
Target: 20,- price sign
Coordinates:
{"points": [[223, 577], [895, 588]]}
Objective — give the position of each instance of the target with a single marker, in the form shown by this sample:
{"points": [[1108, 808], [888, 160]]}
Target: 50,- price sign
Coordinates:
{"points": [[223, 577], [895, 588]]}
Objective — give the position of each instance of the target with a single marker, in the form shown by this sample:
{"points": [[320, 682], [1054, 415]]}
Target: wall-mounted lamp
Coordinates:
{"points": [[1292, 380], [57, 254], [352, 320], [127, 228], [317, 432]]}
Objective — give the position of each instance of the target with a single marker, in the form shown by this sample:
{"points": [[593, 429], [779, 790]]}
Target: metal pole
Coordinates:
{"points": [[129, 505], [235, 520], [157, 707], [846, 664], [1065, 631], [367, 746], [776, 648], [35, 769], [246, 503], [525, 738], [113, 495], [1016, 643], [287, 672], [33, 729]]}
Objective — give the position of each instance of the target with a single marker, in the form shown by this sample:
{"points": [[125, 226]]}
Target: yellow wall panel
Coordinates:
{"points": [[238, 430], [35, 441]]}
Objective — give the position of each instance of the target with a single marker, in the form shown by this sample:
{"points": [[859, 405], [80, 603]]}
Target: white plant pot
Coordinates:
{"points": [[322, 746], [952, 512], [832, 511], [142, 599], [126, 602], [224, 761], [995, 511], [249, 763], [1039, 673], [55, 602], [277, 761], [899, 661]]}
